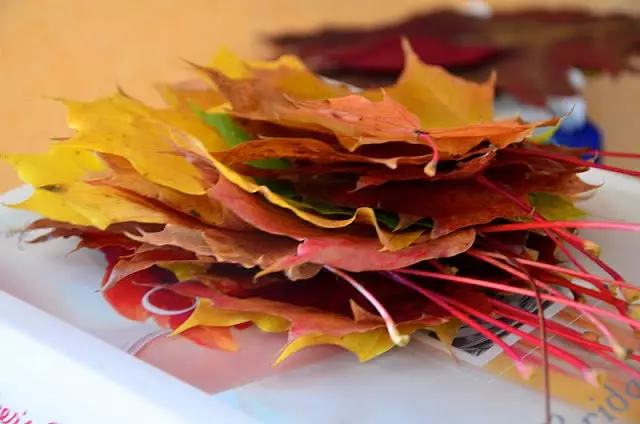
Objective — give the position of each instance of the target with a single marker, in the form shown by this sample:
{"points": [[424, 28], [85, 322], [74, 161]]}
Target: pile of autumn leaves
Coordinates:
{"points": [[271, 197]]}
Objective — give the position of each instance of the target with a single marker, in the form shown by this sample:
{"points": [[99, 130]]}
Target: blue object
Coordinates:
{"points": [[585, 136]]}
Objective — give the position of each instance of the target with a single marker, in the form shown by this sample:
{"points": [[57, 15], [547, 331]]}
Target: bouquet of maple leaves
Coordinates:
{"points": [[271, 197], [531, 50]]}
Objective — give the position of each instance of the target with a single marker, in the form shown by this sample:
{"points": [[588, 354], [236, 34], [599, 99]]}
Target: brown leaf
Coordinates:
{"points": [[245, 248], [452, 204], [349, 252], [304, 149], [146, 258], [463, 169], [359, 254], [356, 120]]}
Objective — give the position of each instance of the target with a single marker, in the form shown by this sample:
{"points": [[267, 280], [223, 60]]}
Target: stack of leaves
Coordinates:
{"points": [[531, 50], [269, 197]]}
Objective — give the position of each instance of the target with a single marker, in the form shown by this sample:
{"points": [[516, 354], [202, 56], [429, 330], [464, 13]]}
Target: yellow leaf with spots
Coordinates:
{"points": [[83, 204], [122, 126]]}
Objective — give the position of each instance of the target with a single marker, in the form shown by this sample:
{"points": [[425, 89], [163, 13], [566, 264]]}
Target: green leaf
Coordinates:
{"points": [[554, 207], [283, 188], [223, 123], [235, 135]]}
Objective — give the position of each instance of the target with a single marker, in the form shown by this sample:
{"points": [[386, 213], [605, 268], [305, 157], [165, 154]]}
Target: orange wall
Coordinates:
{"points": [[83, 48]]}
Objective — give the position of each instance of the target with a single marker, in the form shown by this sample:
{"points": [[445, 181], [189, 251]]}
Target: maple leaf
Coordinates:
{"points": [[247, 249], [235, 135], [82, 204], [348, 252], [189, 94], [127, 298], [282, 201], [463, 169], [287, 74], [464, 103], [358, 120], [123, 176], [306, 149], [531, 68], [309, 320], [145, 258], [90, 237], [364, 215], [58, 165], [451, 204], [139, 134]]}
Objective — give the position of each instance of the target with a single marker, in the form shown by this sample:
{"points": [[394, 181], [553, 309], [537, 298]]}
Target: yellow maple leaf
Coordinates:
{"points": [[287, 74], [184, 95], [83, 204], [61, 194], [440, 99], [206, 314], [124, 176], [366, 345], [122, 126], [233, 66], [59, 165], [52, 206]]}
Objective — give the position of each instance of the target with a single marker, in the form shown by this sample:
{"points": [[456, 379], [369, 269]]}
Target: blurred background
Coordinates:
{"points": [[82, 49]]}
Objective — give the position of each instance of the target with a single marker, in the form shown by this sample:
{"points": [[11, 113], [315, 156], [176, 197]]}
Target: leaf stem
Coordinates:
{"points": [[397, 338], [567, 357], [520, 226], [614, 154], [561, 270], [523, 368], [571, 160], [430, 168], [556, 328], [540, 220], [517, 290], [599, 324]]}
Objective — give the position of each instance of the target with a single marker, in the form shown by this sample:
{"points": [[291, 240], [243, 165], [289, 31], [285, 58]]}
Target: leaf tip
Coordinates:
{"points": [[407, 48]]}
